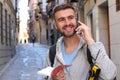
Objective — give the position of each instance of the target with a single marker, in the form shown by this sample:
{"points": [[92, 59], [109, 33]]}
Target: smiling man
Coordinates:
{"points": [[71, 48], [65, 21]]}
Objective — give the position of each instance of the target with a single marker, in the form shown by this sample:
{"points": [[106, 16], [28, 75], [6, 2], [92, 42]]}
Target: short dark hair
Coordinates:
{"points": [[61, 7]]}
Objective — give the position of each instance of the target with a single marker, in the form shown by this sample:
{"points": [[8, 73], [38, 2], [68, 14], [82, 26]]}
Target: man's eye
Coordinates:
{"points": [[61, 20], [71, 17]]}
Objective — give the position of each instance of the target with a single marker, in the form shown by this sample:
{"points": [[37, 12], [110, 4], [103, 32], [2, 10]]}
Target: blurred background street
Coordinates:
{"points": [[27, 61]]}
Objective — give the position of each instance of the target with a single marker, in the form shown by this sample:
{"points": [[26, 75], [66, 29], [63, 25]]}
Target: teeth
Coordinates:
{"points": [[68, 28]]}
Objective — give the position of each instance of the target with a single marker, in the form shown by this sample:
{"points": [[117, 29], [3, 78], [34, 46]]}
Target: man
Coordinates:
{"points": [[33, 39], [71, 48]]}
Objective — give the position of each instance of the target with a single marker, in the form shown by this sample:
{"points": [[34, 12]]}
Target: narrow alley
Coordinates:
{"points": [[28, 60]]}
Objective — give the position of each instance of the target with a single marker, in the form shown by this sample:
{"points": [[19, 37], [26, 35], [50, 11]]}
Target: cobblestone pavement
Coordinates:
{"points": [[28, 60]]}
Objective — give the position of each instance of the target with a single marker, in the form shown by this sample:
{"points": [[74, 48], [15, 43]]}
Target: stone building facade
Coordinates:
{"points": [[114, 30], [7, 27]]}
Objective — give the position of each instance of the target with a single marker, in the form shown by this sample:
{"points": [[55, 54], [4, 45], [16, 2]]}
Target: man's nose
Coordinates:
{"points": [[67, 21]]}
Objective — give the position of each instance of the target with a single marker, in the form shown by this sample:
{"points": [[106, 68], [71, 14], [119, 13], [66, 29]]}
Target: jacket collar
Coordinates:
{"points": [[59, 51]]}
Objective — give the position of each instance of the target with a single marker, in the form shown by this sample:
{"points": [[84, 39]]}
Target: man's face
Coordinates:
{"points": [[65, 22]]}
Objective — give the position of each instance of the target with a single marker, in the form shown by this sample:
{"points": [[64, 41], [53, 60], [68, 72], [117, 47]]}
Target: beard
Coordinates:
{"points": [[65, 35]]}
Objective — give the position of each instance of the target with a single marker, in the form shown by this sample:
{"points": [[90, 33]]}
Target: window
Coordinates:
{"points": [[117, 5], [1, 26]]}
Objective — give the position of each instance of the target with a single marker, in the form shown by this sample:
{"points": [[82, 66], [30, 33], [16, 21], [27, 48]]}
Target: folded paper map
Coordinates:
{"points": [[50, 71], [46, 71]]}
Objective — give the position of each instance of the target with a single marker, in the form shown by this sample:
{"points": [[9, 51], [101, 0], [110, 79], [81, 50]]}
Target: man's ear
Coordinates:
{"points": [[55, 24]]}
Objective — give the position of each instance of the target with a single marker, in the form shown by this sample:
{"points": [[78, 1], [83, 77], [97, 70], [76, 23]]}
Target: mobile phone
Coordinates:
{"points": [[78, 24]]}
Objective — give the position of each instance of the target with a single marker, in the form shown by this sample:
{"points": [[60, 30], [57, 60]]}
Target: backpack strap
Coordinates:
{"points": [[52, 53], [89, 57]]}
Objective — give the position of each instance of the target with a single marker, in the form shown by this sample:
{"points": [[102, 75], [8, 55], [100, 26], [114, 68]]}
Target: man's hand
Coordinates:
{"points": [[58, 73], [85, 33], [59, 76]]}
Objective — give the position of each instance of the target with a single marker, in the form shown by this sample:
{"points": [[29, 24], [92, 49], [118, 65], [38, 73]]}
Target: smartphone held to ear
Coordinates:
{"points": [[77, 24]]}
